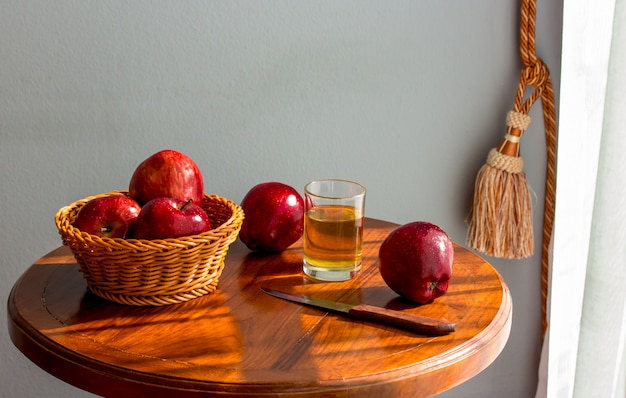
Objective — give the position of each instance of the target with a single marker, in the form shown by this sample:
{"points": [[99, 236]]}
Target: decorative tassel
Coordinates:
{"points": [[501, 222], [501, 219]]}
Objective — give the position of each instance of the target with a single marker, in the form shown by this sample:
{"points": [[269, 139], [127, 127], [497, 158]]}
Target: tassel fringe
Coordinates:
{"points": [[501, 222]]}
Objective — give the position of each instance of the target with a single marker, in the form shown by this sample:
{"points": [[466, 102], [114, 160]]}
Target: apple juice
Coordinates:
{"points": [[333, 237]]}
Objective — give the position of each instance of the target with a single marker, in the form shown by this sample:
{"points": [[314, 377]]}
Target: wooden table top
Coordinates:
{"points": [[239, 341]]}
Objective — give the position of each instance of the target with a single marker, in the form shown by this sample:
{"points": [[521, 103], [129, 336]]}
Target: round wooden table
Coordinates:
{"points": [[239, 341]]}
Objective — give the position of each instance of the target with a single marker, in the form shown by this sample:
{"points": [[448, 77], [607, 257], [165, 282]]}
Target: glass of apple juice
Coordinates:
{"points": [[333, 229]]}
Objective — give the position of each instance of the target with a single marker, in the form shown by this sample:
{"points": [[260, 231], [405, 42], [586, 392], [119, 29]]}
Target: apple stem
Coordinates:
{"points": [[186, 203], [106, 229]]}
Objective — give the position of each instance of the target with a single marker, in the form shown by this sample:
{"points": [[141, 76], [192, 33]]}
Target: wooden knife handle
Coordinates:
{"points": [[415, 323]]}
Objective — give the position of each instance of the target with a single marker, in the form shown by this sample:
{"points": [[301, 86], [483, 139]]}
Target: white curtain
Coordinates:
{"points": [[584, 353]]}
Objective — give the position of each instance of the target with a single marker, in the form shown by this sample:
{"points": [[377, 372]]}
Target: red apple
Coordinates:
{"points": [[110, 216], [274, 217], [415, 261], [167, 174], [163, 218]]}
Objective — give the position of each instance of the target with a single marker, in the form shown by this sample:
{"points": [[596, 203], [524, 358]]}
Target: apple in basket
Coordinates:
{"points": [[163, 218], [167, 174], [274, 217], [415, 261], [110, 216]]}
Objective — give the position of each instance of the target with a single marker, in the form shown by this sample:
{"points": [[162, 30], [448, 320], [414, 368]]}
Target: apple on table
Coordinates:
{"points": [[274, 217], [415, 261]]}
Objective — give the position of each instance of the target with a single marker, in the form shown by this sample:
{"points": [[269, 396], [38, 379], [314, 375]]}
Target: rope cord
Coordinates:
{"points": [[535, 73]]}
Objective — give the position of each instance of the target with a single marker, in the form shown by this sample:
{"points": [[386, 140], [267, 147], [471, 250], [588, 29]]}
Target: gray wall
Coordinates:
{"points": [[406, 97]]}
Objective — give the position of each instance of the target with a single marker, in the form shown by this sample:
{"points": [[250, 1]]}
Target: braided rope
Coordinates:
{"points": [[549, 113], [535, 73]]}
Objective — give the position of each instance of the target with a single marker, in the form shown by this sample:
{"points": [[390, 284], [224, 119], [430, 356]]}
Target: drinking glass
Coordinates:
{"points": [[333, 229]]}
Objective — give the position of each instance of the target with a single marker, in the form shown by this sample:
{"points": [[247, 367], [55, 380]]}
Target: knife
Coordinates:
{"points": [[365, 312]]}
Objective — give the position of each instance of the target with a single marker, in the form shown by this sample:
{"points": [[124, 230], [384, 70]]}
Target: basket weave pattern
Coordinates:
{"points": [[153, 272]]}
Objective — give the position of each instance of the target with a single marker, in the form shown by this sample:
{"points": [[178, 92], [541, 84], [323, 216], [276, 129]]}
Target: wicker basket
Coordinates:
{"points": [[153, 272]]}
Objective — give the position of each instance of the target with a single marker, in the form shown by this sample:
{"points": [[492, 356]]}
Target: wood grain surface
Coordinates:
{"points": [[239, 341]]}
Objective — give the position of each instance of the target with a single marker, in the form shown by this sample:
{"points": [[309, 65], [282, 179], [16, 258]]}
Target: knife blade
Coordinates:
{"points": [[365, 312]]}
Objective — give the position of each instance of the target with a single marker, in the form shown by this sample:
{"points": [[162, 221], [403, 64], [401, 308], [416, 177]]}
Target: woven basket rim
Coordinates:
{"points": [[63, 212]]}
